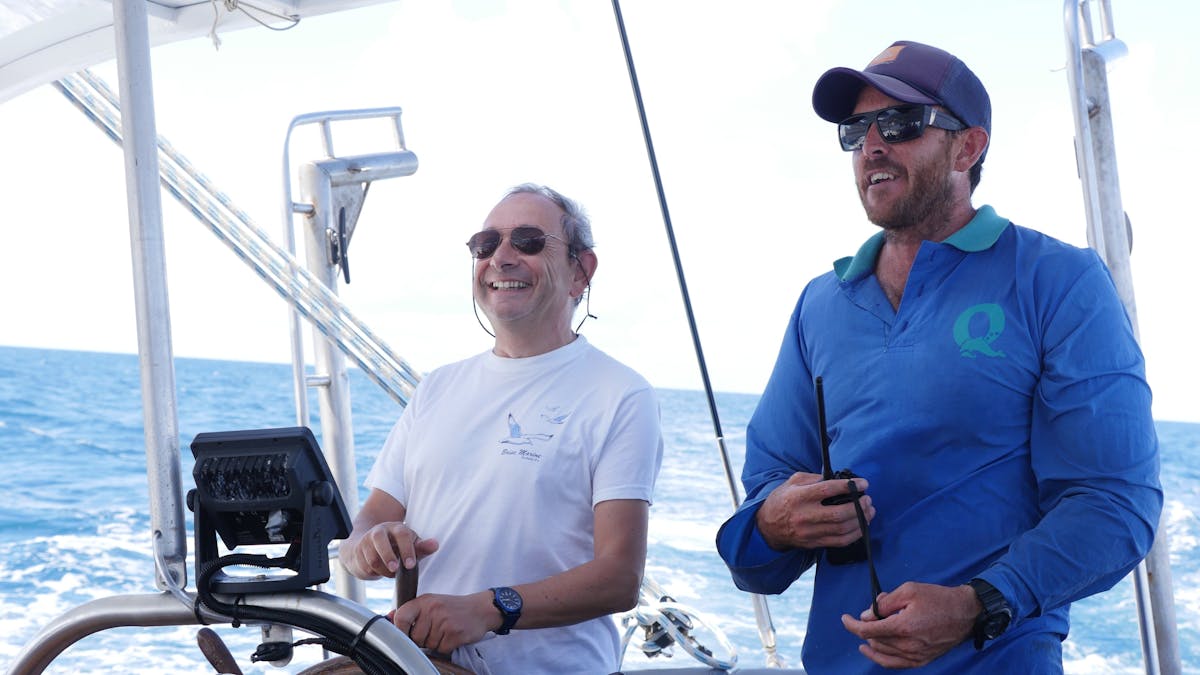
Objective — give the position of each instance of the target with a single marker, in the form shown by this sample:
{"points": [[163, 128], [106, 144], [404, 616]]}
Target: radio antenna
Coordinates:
{"points": [[826, 468]]}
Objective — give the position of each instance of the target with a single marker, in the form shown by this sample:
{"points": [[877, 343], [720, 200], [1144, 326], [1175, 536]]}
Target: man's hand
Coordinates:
{"points": [[792, 516], [445, 622], [381, 550], [380, 542], [923, 621]]}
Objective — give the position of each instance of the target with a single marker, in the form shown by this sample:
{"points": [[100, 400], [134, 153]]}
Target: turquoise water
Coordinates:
{"points": [[73, 525]]}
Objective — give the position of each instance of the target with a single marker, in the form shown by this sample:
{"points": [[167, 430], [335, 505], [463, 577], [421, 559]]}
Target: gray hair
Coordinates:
{"points": [[575, 222]]}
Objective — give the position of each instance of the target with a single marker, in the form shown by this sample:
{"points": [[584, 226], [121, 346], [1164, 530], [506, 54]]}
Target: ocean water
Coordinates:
{"points": [[73, 522]]}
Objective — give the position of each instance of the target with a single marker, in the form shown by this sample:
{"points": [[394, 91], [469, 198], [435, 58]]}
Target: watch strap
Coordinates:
{"points": [[509, 602], [996, 614]]}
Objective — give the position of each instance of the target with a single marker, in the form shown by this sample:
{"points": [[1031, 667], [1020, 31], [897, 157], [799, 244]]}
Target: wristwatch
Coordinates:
{"points": [[508, 601], [996, 615]]}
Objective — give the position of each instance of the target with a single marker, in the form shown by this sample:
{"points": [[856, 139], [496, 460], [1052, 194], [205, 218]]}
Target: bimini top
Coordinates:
{"points": [[44, 40]]}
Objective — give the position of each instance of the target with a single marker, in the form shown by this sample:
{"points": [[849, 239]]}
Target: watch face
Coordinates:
{"points": [[995, 624], [508, 599]]}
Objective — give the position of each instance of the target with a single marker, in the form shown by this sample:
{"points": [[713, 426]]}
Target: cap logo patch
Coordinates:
{"points": [[887, 56]]}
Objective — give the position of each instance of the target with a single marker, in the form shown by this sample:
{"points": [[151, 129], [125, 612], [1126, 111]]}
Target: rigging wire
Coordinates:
{"points": [[766, 629], [687, 302], [232, 6]]}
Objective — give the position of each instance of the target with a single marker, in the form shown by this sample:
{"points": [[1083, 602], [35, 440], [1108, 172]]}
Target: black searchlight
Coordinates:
{"points": [[263, 487]]}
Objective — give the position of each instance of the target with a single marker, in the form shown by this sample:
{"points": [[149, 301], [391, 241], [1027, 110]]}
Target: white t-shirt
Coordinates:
{"points": [[502, 461]]}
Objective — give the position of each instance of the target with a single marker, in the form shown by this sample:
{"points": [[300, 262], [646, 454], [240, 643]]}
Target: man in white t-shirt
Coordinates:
{"points": [[521, 478]]}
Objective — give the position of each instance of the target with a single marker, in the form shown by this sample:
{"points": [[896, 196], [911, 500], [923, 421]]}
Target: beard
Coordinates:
{"points": [[930, 193]]}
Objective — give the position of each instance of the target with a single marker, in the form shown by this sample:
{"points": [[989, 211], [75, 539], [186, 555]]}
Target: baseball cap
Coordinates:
{"points": [[911, 72]]}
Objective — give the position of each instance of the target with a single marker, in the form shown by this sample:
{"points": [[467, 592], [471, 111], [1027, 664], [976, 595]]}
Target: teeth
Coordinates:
{"points": [[881, 176], [509, 284]]}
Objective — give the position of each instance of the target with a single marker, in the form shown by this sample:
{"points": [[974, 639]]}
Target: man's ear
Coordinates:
{"points": [[974, 140], [584, 271]]}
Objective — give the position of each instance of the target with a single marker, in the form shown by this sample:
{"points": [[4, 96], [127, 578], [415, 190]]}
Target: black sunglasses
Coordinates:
{"points": [[896, 124], [527, 239]]}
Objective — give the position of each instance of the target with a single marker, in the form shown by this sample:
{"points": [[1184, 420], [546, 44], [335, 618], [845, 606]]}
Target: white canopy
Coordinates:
{"points": [[43, 40]]}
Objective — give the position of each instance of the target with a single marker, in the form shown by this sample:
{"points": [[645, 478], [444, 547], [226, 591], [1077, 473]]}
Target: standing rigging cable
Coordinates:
{"points": [[766, 629]]}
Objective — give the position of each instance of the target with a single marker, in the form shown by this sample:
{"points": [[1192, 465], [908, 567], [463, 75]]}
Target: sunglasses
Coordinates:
{"points": [[896, 124], [527, 240]]}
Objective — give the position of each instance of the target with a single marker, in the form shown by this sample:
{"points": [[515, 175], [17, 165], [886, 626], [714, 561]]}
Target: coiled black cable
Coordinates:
{"points": [[334, 638]]}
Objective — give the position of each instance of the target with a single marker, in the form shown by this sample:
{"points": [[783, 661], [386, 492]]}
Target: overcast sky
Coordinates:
{"points": [[497, 93]]}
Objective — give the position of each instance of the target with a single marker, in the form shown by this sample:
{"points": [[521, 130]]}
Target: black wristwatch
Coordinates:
{"points": [[508, 601], [996, 615]]}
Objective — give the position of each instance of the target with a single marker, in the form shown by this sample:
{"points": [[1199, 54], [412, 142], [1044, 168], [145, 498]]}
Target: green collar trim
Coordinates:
{"points": [[977, 235]]}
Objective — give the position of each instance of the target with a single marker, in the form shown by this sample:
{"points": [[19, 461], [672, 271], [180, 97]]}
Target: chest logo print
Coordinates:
{"points": [[972, 346], [517, 437]]}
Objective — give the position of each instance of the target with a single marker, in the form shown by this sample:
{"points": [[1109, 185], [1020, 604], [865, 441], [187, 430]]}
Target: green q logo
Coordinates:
{"points": [[972, 346]]}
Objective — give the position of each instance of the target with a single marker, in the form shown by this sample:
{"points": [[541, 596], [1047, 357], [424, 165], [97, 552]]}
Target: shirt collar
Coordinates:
{"points": [[977, 235]]}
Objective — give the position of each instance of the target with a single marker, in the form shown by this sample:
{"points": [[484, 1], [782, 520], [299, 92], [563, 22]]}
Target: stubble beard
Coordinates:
{"points": [[930, 194]]}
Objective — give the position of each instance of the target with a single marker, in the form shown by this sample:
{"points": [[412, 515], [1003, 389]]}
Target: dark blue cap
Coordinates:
{"points": [[910, 72]]}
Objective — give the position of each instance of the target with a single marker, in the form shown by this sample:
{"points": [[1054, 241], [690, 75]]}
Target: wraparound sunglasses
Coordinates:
{"points": [[896, 124]]}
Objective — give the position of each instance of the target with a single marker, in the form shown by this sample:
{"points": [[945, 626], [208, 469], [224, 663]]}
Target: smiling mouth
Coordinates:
{"points": [[879, 177], [508, 285]]}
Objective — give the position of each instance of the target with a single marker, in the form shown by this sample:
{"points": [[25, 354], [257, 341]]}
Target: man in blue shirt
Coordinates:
{"points": [[983, 383]]}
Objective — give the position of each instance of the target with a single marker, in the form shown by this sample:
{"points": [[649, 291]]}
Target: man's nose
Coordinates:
{"points": [[873, 143], [505, 253]]}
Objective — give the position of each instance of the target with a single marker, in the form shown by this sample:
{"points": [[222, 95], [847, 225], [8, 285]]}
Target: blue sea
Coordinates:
{"points": [[74, 524]]}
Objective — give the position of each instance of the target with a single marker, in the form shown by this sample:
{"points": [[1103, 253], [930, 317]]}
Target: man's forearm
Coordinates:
{"points": [[596, 588]]}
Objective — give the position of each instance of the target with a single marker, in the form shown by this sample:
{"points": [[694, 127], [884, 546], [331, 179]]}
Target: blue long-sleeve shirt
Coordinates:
{"points": [[1002, 417]]}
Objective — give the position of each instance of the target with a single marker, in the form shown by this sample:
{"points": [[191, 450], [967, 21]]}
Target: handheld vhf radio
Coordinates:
{"points": [[857, 551]]}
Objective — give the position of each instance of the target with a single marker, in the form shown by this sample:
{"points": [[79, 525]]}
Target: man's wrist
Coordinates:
{"points": [[995, 616], [508, 604], [762, 523], [348, 557]]}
